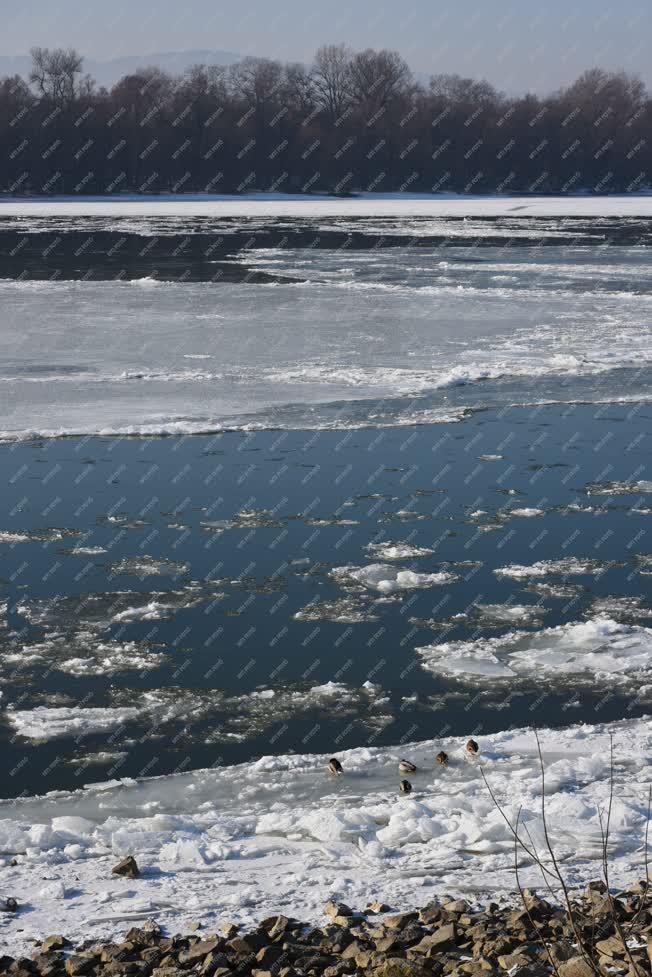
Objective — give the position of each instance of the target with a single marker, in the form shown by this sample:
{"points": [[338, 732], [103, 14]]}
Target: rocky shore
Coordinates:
{"points": [[446, 937]]}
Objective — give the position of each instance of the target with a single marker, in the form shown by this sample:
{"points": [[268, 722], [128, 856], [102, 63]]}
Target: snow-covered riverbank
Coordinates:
{"points": [[280, 834]]}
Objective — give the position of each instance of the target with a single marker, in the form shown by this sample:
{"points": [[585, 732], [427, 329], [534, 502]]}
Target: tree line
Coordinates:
{"points": [[351, 121]]}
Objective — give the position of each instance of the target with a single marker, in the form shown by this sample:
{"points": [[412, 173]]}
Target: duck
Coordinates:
{"points": [[406, 766], [405, 787], [442, 758], [472, 748], [335, 766]]}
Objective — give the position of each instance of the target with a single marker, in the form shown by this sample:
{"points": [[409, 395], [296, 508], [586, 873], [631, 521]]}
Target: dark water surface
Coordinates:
{"points": [[253, 525]]}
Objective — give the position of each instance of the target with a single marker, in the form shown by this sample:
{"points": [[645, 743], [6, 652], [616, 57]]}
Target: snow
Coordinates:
{"points": [[282, 835], [364, 205]]}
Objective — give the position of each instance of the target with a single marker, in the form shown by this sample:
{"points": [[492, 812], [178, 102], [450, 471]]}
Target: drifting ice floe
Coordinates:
{"points": [[618, 488], [280, 835], [48, 535], [598, 649], [388, 579], [236, 717], [346, 610], [397, 551], [81, 653], [569, 566], [147, 566]]}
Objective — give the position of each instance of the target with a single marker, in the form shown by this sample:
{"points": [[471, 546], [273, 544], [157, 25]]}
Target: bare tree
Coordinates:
{"points": [[299, 89], [332, 75], [55, 73], [258, 81], [463, 91], [375, 77]]}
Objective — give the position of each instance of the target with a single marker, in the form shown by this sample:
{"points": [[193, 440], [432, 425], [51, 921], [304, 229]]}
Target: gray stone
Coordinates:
{"points": [[457, 906], [335, 909], [397, 967], [611, 947], [249, 943], [378, 907], [55, 942], [400, 920], [575, 967], [127, 868], [79, 964], [199, 950]]}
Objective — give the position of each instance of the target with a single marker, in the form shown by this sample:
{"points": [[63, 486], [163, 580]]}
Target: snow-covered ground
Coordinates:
{"points": [[298, 205], [281, 834]]}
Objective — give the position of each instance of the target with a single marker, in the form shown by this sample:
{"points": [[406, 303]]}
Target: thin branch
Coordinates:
{"points": [[569, 908], [646, 886], [540, 938], [605, 860], [530, 851]]}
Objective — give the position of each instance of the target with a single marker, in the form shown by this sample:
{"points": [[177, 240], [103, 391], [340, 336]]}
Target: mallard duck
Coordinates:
{"points": [[406, 766], [405, 787], [335, 766], [442, 758], [472, 748]]}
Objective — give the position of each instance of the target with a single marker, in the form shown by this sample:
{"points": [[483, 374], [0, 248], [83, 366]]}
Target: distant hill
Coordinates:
{"points": [[108, 72]]}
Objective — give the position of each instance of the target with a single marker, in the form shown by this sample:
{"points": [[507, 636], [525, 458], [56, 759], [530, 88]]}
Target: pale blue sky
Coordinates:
{"points": [[516, 44]]}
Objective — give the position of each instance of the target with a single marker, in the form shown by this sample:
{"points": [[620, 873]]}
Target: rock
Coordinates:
{"points": [[128, 868], [151, 955], [215, 960], [511, 961], [444, 937], [125, 968], [343, 920], [575, 967], [532, 970], [338, 969], [275, 925], [388, 943], [10, 905], [79, 964], [400, 920], [228, 929], [312, 961], [457, 906], [397, 967], [269, 955], [611, 947], [430, 913], [54, 943], [597, 886], [484, 965], [143, 936], [247, 944], [352, 950], [200, 950], [378, 907], [335, 909]]}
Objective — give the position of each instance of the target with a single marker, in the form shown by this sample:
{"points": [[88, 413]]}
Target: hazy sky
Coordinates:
{"points": [[516, 44]]}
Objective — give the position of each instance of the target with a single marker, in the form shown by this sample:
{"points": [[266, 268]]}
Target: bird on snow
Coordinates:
{"points": [[472, 748], [405, 787], [335, 766], [442, 758], [405, 766]]}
